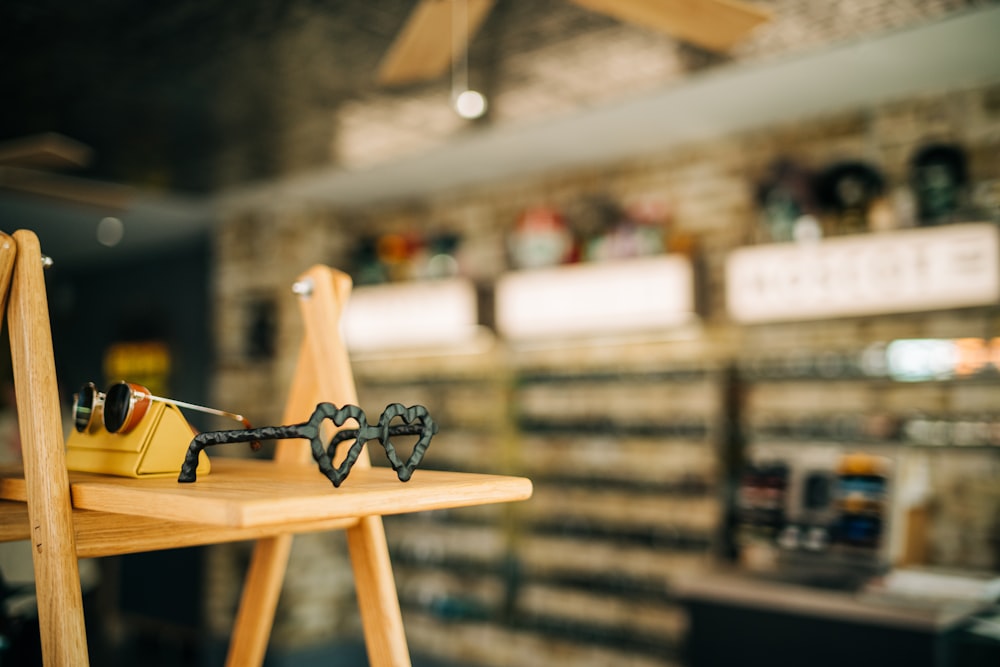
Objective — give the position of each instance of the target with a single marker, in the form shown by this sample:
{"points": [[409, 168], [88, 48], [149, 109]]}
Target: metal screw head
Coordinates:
{"points": [[46, 261], [303, 288]]}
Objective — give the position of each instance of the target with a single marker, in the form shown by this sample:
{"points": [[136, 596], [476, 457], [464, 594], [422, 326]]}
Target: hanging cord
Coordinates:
{"points": [[459, 48]]}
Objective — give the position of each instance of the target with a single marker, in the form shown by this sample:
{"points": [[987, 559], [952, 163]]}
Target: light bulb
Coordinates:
{"points": [[470, 104], [110, 232]]}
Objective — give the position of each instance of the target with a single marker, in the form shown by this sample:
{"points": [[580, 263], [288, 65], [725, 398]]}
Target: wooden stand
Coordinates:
{"points": [[75, 515]]}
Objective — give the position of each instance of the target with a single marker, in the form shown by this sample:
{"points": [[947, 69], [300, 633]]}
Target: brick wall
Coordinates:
{"points": [[709, 188], [313, 98]]}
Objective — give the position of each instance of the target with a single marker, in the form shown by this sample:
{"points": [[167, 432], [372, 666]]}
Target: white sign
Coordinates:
{"points": [[434, 313], [635, 295], [953, 266]]}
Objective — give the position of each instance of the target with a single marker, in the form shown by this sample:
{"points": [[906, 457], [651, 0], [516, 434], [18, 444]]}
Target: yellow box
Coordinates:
{"points": [[156, 448]]}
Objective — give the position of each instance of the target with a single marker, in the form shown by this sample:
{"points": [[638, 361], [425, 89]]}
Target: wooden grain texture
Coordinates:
{"points": [[241, 499], [13, 516], [269, 561], [378, 602], [14, 523], [101, 534], [375, 586], [8, 253], [303, 396], [57, 578], [244, 493], [424, 48], [258, 602], [716, 25]]}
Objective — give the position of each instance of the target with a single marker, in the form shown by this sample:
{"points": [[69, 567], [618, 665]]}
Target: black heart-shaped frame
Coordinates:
{"points": [[416, 420]]}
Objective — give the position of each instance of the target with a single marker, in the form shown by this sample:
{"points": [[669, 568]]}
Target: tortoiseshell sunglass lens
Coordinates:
{"points": [[83, 406], [117, 405]]}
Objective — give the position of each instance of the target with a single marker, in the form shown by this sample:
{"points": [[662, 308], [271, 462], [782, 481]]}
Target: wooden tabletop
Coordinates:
{"points": [[245, 493]]}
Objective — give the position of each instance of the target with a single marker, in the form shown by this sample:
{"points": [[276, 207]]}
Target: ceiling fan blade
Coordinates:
{"points": [[424, 47], [48, 150], [98, 194], [716, 25]]}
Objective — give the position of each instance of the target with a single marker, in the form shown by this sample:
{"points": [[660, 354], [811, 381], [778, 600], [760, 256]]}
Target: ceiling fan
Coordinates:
{"points": [[28, 165], [423, 49]]}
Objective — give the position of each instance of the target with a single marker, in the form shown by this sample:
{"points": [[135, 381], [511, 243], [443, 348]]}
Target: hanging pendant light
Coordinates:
{"points": [[469, 104]]}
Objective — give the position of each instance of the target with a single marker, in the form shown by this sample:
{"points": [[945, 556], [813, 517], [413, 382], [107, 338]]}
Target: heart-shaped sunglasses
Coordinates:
{"points": [[414, 420]]}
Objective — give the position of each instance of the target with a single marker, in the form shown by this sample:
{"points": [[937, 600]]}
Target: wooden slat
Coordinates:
{"points": [[269, 560], [101, 534], [716, 25], [423, 48], [261, 589], [243, 493], [8, 253], [375, 586], [57, 576], [14, 523]]}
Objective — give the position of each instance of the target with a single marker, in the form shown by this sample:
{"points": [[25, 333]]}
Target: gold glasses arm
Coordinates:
{"points": [[201, 408]]}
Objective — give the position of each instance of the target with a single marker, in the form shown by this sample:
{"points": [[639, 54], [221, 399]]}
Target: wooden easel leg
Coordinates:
{"points": [[255, 617], [322, 373], [57, 574], [266, 574], [377, 598]]}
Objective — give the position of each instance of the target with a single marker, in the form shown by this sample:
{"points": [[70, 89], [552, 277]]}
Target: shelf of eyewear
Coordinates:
{"points": [[875, 394], [453, 569], [622, 445], [624, 460], [901, 408], [917, 430]]}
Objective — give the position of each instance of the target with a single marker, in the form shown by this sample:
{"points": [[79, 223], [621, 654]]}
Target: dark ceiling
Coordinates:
{"points": [[187, 98], [167, 91], [142, 81], [161, 88]]}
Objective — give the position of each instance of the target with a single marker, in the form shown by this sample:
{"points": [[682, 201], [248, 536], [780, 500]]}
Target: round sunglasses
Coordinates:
{"points": [[123, 406]]}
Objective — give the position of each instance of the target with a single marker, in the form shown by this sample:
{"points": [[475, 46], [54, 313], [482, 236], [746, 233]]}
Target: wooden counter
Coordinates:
{"points": [[736, 619], [739, 589]]}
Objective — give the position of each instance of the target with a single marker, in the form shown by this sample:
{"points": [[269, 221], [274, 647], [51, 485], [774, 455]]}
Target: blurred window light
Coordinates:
{"points": [[972, 356], [922, 359]]}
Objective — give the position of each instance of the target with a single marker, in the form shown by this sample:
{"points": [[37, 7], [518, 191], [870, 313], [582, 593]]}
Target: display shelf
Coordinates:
{"points": [[623, 444], [242, 493], [441, 574], [526, 645], [559, 557], [918, 390], [679, 465], [639, 623], [454, 566]]}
